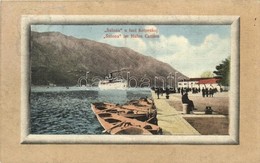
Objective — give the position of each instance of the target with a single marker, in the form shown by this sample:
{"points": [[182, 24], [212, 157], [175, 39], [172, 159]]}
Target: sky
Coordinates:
{"points": [[190, 49]]}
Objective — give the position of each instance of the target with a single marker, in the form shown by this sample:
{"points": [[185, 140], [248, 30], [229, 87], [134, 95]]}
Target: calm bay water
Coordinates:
{"points": [[58, 110]]}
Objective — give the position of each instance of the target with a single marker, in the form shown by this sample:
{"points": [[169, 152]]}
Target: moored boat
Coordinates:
{"points": [[116, 124], [136, 113], [142, 109], [143, 104]]}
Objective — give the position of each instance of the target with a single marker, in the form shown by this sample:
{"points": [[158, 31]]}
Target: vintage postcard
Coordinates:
{"points": [[130, 79]]}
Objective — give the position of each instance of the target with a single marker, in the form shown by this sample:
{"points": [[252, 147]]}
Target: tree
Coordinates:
{"points": [[223, 71], [207, 74]]}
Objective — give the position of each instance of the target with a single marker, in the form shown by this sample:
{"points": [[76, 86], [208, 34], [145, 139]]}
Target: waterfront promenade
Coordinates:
{"points": [[170, 120]]}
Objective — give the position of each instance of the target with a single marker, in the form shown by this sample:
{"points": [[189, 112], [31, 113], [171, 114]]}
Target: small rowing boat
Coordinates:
{"points": [[116, 124], [143, 104], [101, 107], [141, 109]]}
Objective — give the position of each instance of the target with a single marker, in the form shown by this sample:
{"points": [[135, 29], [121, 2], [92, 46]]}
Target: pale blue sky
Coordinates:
{"points": [[191, 49]]}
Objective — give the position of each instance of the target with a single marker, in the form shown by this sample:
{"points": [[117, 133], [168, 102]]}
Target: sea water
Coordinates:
{"points": [[61, 110]]}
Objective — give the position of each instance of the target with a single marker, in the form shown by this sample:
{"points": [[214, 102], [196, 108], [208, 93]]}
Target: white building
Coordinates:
{"points": [[200, 83]]}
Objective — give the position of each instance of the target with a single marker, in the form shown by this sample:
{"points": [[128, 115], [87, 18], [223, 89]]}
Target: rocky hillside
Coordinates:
{"points": [[61, 59]]}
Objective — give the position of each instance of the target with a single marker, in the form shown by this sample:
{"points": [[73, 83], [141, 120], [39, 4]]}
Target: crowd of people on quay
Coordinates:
{"points": [[185, 99], [190, 107], [206, 92], [160, 91]]}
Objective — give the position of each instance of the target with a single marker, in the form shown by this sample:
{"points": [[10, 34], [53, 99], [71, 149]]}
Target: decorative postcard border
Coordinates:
{"points": [[232, 138]]}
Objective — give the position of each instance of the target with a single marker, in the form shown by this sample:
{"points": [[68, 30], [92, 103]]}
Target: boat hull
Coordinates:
{"points": [[142, 109], [116, 124]]}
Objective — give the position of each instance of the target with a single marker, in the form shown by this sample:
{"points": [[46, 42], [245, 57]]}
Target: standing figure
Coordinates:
{"points": [[207, 92], [167, 91], [210, 92], [203, 92], [157, 90], [161, 91]]}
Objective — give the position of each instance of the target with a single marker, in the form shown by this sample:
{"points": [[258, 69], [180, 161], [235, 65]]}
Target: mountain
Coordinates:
{"points": [[60, 59]]}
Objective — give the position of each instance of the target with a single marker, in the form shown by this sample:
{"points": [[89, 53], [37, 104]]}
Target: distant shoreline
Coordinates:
{"points": [[76, 88]]}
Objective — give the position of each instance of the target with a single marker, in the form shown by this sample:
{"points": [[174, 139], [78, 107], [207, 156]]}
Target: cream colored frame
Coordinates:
{"points": [[232, 138]]}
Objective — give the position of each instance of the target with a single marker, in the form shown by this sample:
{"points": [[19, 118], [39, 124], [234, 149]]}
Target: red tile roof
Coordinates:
{"points": [[208, 81]]}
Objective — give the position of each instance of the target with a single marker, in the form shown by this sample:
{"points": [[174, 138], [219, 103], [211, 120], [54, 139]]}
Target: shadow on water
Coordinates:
{"points": [[69, 112]]}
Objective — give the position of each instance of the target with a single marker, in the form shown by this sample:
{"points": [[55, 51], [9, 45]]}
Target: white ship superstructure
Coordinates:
{"points": [[113, 83]]}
